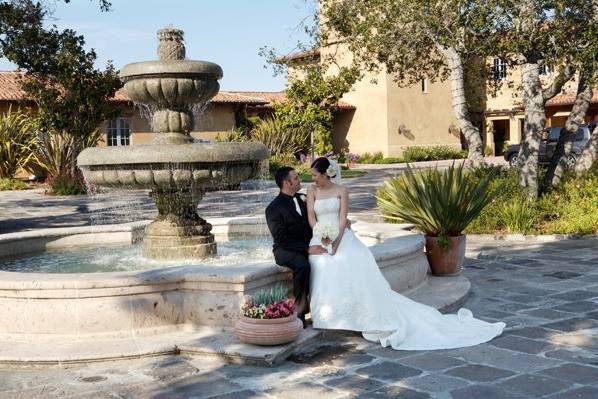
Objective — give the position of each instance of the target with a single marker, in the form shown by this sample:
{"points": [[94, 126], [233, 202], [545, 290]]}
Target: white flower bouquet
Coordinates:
{"points": [[326, 231]]}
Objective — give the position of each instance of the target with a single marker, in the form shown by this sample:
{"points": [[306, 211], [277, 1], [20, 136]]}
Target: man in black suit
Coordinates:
{"points": [[287, 220]]}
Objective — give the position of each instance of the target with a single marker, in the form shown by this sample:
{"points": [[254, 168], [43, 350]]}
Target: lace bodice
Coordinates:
{"points": [[327, 210]]}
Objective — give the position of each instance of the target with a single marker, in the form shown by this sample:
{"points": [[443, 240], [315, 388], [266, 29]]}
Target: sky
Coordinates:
{"points": [[227, 32]]}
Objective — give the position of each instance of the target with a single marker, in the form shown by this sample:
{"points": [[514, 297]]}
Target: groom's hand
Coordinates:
{"points": [[316, 250]]}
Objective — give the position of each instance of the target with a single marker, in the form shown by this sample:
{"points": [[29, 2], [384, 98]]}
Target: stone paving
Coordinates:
{"points": [[547, 293]]}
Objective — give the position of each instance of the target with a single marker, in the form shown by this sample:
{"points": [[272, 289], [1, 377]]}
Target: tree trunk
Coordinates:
{"points": [[461, 108], [588, 154], [535, 120], [563, 148]]}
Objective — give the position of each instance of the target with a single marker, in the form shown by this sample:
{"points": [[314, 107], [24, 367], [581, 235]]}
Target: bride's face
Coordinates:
{"points": [[318, 178]]}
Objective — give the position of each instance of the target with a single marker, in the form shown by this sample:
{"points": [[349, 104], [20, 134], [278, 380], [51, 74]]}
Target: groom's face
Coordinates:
{"points": [[294, 181]]}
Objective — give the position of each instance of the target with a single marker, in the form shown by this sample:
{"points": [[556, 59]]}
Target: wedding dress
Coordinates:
{"points": [[348, 292]]}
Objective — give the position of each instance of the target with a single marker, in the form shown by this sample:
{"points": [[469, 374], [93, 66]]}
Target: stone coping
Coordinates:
{"points": [[391, 242]]}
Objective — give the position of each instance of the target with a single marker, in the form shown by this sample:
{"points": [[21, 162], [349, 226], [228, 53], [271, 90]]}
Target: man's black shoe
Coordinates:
{"points": [[301, 317]]}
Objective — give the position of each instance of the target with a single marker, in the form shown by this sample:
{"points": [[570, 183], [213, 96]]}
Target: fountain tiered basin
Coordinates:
{"points": [[178, 171]]}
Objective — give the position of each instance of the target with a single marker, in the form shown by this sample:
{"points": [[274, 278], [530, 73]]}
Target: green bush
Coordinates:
{"points": [[570, 208], [278, 160], [279, 137], [437, 153], [67, 185], [519, 215], [11, 184], [17, 142], [440, 203]]}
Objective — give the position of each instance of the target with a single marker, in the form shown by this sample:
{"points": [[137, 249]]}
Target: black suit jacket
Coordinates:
{"points": [[290, 230]]}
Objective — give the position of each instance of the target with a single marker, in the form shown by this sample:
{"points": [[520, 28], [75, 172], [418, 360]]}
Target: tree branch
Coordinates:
{"points": [[555, 87]]}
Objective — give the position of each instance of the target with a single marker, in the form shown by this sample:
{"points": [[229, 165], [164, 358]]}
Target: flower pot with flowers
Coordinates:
{"points": [[440, 204], [269, 318]]}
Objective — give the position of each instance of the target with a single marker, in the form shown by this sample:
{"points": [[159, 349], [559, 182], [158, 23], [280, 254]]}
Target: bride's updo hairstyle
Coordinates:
{"points": [[322, 165]]}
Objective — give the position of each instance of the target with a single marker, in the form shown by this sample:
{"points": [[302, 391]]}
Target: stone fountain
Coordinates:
{"points": [[177, 171]]}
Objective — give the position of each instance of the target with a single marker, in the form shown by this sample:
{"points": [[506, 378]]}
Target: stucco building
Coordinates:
{"points": [[389, 118]]}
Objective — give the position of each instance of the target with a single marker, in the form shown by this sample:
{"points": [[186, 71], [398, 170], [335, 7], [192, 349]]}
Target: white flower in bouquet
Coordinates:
{"points": [[326, 231]]}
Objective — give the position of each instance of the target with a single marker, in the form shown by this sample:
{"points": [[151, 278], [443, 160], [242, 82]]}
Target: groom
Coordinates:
{"points": [[287, 220]]}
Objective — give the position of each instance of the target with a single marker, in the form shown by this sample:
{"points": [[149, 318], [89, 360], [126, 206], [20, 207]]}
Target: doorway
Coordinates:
{"points": [[500, 135]]}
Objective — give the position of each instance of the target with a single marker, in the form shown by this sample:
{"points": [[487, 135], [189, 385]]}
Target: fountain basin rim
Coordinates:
{"points": [[400, 243], [174, 154], [165, 69]]}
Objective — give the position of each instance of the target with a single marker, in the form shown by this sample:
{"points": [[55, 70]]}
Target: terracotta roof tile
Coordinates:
{"points": [[568, 99], [10, 90]]}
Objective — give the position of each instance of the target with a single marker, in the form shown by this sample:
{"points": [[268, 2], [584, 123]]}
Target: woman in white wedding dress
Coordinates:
{"points": [[348, 291]]}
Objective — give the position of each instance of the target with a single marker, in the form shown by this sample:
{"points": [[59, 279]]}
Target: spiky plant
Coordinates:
{"points": [[17, 141], [275, 294], [440, 203]]}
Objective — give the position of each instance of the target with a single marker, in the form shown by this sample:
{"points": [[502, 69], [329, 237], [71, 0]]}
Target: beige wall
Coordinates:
{"points": [[419, 119]]}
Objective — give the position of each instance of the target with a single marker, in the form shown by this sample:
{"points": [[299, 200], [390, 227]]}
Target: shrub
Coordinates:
{"points": [[67, 185], [437, 153], [278, 137], [519, 215], [11, 184], [278, 160], [17, 142], [570, 208], [440, 203]]}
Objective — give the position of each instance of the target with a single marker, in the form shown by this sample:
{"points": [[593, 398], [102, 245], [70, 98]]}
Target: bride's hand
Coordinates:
{"points": [[334, 247]]}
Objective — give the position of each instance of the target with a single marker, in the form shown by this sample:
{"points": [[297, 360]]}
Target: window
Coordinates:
{"points": [[546, 69], [118, 132], [499, 69], [424, 86]]}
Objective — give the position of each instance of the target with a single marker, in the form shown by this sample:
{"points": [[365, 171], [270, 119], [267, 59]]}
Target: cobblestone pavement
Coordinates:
{"points": [[547, 293]]}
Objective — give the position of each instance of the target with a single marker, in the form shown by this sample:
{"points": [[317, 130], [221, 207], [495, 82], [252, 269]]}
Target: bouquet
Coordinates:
{"points": [[326, 231]]}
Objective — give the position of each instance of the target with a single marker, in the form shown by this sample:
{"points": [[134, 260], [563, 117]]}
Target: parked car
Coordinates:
{"points": [[548, 145]]}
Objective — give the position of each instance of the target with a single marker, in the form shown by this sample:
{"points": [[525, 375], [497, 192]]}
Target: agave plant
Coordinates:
{"points": [[440, 203]]}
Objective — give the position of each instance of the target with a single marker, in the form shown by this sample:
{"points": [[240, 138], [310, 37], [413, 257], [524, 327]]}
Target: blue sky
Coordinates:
{"points": [[227, 32]]}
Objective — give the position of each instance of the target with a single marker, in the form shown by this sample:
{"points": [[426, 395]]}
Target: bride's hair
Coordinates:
{"points": [[321, 165]]}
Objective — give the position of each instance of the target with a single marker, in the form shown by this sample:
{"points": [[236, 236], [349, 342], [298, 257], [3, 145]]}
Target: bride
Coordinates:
{"points": [[348, 291]]}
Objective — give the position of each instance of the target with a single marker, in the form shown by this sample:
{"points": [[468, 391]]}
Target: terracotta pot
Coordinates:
{"points": [[445, 261], [268, 331]]}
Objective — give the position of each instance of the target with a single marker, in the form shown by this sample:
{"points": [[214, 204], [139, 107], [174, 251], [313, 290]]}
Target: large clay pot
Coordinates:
{"points": [[446, 261], [268, 331]]}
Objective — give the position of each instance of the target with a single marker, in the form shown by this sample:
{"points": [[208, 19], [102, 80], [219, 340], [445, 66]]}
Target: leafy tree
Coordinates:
{"points": [[72, 97], [418, 39], [312, 102]]}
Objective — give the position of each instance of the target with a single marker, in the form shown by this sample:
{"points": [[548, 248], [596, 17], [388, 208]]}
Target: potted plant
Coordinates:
{"points": [[269, 318], [441, 204]]}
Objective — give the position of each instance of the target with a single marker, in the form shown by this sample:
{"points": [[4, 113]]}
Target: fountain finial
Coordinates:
{"points": [[170, 44]]}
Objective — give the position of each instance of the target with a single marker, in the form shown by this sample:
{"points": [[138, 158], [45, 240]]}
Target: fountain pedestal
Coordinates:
{"points": [[178, 232]]}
